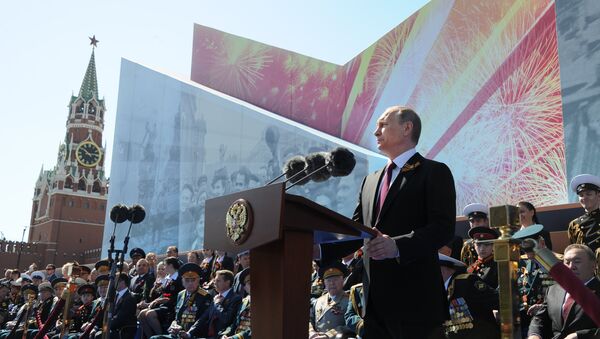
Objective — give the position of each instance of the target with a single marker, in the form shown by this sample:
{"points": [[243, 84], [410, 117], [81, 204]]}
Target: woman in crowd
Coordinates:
{"points": [[528, 217]]}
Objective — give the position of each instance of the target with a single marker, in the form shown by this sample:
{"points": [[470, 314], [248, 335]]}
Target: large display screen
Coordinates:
{"points": [[178, 144], [483, 75]]}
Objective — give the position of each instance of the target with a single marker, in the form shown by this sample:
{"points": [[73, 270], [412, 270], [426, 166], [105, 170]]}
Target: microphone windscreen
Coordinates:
{"points": [[294, 164], [315, 161], [342, 162], [137, 213], [293, 168], [119, 213]]}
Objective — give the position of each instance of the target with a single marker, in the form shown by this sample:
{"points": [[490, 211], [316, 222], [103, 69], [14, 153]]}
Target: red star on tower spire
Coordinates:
{"points": [[93, 41]]}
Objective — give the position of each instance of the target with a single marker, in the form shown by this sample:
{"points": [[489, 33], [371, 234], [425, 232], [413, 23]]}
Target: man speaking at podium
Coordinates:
{"points": [[412, 204]]}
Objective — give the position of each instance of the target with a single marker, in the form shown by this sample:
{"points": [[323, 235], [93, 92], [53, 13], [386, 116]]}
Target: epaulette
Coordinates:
{"points": [[462, 276], [523, 257], [202, 291]]}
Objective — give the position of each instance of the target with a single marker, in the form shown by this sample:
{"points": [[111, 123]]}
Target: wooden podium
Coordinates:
{"points": [[283, 231]]}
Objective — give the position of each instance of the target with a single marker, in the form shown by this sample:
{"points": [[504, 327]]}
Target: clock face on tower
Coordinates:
{"points": [[88, 154]]}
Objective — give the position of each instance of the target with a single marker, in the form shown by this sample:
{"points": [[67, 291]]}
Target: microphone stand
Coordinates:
{"points": [[108, 306], [110, 298]]}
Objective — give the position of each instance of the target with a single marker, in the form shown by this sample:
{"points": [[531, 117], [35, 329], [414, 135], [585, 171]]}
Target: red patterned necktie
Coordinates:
{"points": [[569, 301], [385, 184]]}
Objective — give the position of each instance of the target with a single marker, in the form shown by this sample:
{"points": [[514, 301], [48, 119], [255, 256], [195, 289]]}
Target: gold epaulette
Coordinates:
{"points": [[202, 291], [523, 257], [353, 298], [462, 276]]}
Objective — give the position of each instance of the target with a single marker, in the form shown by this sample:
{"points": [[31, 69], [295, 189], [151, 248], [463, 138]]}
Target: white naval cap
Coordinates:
{"points": [[475, 210], [38, 274], [584, 182], [449, 261]]}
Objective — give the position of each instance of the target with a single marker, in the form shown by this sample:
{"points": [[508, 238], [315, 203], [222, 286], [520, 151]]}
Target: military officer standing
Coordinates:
{"points": [[485, 266], [477, 214], [586, 229], [327, 314]]}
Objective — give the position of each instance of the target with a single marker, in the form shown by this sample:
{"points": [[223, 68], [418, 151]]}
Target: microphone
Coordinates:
{"points": [[292, 166], [136, 214], [317, 166], [342, 162], [119, 213]]}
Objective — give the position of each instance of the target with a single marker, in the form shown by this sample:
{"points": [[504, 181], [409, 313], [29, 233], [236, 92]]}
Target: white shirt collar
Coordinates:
{"points": [[120, 293], [224, 294], [402, 159], [172, 276], [447, 282]]}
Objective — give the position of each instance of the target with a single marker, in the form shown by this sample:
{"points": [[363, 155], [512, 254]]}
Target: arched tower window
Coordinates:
{"points": [[69, 183], [82, 185], [91, 109], [96, 187], [79, 107]]}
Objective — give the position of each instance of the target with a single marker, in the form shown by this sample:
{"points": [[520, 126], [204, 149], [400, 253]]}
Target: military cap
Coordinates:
{"points": [[45, 286], [38, 275], [137, 252], [59, 281], [102, 266], [30, 288], [483, 233], [584, 182], [450, 262], [527, 234], [86, 288], [246, 252], [475, 210], [85, 269], [243, 275], [26, 277], [101, 280], [332, 269], [190, 270]]}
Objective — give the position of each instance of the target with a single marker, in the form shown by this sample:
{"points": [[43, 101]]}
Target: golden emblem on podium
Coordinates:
{"points": [[238, 221]]}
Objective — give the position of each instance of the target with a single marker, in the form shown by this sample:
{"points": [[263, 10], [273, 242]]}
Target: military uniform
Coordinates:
{"points": [[485, 268], [327, 313], [354, 311], [190, 305], [240, 329], [586, 229], [533, 282], [471, 302], [473, 211], [25, 318], [468, 255]]}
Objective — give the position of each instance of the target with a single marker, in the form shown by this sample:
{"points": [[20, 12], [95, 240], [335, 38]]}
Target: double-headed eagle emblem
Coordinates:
{"points": [[238, 221]]}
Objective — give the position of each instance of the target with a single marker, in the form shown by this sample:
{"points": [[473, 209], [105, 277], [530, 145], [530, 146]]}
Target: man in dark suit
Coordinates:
{"points": [[221, 313], [142, 283], [560, 315], [412, 205], [123, 323]]}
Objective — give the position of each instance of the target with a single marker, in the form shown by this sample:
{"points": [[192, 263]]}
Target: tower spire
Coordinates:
{"points": [[89, 86]]}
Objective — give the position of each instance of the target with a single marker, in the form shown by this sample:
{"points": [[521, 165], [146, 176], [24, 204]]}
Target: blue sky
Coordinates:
{"points": [[44, 51]]}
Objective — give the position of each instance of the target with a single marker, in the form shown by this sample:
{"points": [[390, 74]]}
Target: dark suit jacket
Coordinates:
{"points": [[141, 286], [124, 319], [423, 201], [222, 315], [550, 315]]}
